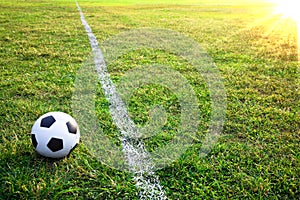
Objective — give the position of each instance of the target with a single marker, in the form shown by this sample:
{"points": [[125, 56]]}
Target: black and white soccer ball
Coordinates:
{"points": [[55, 134]]}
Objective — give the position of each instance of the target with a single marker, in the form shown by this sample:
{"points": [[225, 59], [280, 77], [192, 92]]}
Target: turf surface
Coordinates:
{"points": [[43, 44]]}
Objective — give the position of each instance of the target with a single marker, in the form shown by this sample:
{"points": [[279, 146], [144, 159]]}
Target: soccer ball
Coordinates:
{"points": [[55, 134]]}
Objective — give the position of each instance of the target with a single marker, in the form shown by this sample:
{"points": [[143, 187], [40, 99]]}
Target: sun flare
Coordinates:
{"points": [[288, 9]]}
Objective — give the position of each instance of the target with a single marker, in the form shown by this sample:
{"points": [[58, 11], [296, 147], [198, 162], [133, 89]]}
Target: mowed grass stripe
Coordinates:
{"points": [[258, 155]]}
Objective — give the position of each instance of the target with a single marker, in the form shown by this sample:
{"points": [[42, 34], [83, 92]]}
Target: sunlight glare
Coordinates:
{"points": [[288, 8]]}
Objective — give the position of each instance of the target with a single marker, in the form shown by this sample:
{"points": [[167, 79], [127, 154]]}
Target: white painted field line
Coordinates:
{"points": [[138, 159]]}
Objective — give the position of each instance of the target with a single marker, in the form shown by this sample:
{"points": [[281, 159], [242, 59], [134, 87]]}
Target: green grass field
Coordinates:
{"points": [[43, 44]]}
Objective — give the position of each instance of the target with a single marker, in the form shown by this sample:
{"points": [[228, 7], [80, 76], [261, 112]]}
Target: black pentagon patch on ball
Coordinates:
{"points": [[72, 127], [33, 139], [55, 144], [47, 121]]}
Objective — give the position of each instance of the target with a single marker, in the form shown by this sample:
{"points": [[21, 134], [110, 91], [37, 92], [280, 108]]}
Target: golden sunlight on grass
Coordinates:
{"points": [[290, 9]]}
